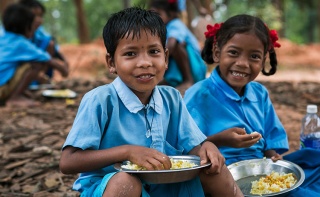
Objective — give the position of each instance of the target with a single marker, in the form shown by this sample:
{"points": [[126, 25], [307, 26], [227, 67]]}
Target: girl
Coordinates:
{"points": [[232, 110], [185, 64], [134, 119]]}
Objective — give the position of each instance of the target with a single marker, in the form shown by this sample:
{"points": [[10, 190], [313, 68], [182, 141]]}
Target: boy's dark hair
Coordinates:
{"points": [[17, 19], [132, 21], [33, 4], [241, 24], [165, 5]]}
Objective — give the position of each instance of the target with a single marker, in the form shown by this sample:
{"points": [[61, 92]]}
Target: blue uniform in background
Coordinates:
{"points": [[178, 30], [16, 49], [112, 115], [215, 107]]}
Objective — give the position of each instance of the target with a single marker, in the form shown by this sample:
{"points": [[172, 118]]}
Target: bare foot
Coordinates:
{"points": [[22, 101]]}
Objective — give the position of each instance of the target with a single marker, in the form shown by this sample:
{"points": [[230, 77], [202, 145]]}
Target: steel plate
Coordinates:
{"points": [[167, 176], [244, 172]]}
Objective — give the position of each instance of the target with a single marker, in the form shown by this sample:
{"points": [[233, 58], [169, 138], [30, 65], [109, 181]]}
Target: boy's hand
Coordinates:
{"points": [[209, 153], [149, 158]]}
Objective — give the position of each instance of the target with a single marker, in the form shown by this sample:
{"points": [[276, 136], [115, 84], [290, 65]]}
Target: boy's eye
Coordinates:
{"points": [[130, 53], [154, 51]]}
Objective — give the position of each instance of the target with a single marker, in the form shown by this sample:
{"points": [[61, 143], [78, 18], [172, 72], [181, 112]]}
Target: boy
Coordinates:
{"points": [[20, 60], [134, 119]]}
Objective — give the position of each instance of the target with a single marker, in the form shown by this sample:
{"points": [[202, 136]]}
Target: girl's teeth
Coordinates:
{"points": [[238, 74]]}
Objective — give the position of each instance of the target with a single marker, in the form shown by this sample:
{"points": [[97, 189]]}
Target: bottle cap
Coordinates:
{"points": [[312, 109]]}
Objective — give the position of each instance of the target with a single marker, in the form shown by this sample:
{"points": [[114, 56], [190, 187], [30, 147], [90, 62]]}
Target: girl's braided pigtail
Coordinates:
{"points": [[207, 53], [272, 54]]}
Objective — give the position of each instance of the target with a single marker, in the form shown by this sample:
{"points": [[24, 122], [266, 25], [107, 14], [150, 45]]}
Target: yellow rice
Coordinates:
{"points": [[175, 164], [274, 182]]}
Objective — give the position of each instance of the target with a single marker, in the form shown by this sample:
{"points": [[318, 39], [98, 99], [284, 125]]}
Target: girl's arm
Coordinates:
{"points": [[273, 155], [74, 160]]}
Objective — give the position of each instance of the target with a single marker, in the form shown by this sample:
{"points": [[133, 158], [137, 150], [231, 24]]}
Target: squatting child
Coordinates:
{"points": [[20, 60]]}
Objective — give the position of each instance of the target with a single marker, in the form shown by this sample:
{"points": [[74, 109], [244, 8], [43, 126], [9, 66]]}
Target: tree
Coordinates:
{"points": [[83, 31]]}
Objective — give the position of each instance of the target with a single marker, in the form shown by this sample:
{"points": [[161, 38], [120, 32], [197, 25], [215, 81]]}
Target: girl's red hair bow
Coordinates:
{"points": [[212, 30], [274, 38]]}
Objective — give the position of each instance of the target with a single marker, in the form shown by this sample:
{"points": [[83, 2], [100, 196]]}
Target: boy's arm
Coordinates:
{"points": [[75, 160], [208, 152]]}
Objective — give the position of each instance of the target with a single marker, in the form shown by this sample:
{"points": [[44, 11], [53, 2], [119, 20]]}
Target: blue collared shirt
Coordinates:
{"points": [[14, 50], [215, 107], [112, 115]]}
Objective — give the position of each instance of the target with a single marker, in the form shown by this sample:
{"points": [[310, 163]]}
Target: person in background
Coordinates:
{"points": [[182, 6], [20, 60], [230, 108], [43, 39], [186, 66], [133, 119]]}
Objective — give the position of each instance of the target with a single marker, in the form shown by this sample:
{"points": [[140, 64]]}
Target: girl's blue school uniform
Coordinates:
{"points": [[178, 30], [215, 107], [14, 50], [112, 115]]}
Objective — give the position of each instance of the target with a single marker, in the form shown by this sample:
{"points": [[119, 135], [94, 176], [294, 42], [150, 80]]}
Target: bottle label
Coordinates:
{"points": [[310, 143]]}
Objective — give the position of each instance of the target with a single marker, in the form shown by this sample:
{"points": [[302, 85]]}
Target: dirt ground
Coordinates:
{"points": [[30, 139]]}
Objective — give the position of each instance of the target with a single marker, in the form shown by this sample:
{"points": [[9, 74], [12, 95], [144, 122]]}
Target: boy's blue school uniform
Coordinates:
{"points": [[112, 115], [215, 107], [14, 50], [178, 30]]}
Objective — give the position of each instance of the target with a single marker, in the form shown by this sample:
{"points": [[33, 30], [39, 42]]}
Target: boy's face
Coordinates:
{"points": [[140, 63]]}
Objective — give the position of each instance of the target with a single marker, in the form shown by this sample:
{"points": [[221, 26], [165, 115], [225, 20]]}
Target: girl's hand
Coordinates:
{"points": [[149, 158], [273, 155], [209, 153], [236, 138]]}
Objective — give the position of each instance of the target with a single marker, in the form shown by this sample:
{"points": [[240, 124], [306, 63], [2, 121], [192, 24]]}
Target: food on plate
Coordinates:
{"points": [[175, 164], [274, 182]]}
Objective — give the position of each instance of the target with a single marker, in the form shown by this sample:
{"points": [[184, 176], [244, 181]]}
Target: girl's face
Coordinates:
{"points": [[140, 63], [240, 60]]}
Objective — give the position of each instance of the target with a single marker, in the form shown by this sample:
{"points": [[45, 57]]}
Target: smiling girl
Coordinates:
{"points": [[231, 109]]}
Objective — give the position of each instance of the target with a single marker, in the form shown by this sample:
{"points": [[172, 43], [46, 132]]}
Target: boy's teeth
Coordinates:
{"points": [[238, 74], [145, 76]]}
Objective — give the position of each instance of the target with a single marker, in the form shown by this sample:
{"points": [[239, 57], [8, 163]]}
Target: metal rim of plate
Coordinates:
{"points": [[167, 176], [49, 93], [117, 166], [296, 170]]}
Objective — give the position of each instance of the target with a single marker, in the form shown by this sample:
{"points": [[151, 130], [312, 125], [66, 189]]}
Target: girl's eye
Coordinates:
{"points": [[254, 56], [233, 52]]}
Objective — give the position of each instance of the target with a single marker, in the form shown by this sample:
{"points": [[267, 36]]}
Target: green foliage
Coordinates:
{"points": [[261, 9], [299, 16]]}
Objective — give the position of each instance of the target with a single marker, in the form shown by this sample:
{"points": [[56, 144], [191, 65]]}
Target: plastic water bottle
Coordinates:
{"points": [[310, 129]]}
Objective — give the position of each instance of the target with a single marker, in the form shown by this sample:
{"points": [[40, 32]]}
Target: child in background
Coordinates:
{"points": [[232, 110], [20, 60], [185, 64], [42, 39], [133, 119]]}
